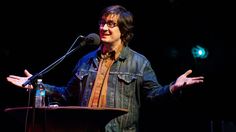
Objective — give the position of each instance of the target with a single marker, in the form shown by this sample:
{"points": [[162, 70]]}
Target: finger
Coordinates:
{"points": [[14, 81], [13, 77], [188, 72], [9, 79], [196, 81], [197, 78], [28, 86]]}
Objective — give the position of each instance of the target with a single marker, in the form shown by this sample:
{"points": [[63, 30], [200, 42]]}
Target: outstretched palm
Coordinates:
{"points": [[18, 80]]}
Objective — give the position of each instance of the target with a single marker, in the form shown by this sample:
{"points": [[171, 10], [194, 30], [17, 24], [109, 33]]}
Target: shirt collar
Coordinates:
{"points": [[117, 53]]}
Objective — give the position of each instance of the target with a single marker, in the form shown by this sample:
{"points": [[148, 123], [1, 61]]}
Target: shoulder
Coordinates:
{"points": [[136, 55], [89, 55]]}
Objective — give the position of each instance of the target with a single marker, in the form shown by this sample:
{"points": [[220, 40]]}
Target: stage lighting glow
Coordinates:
{"points": [[199, 52]]}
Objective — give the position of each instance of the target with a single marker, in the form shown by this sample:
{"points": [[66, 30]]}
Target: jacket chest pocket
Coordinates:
{"points": [[127, 84], [82, 75]]}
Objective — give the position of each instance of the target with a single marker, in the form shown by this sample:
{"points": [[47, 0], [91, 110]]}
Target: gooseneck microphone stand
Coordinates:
{"points": [[32, 79]]}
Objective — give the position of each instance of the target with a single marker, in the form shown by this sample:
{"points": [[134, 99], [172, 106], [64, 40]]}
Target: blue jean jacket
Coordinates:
{"points": [[131, 78]]}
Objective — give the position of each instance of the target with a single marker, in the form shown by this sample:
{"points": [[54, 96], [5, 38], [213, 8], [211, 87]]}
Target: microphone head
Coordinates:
{"points": [[91, 39]]}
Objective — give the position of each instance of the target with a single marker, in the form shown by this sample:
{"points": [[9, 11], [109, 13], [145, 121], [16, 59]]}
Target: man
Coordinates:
{"points": [[114, 75]]}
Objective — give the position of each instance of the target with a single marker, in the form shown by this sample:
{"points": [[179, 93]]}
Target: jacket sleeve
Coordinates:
{"points": [[152, 88]]}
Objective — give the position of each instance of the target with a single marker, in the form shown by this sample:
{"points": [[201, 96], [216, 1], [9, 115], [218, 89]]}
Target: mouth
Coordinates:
{"points": [[104, 35]]}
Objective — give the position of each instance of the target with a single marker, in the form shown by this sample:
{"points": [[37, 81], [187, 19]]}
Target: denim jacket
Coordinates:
{"points": [[131, 78]]}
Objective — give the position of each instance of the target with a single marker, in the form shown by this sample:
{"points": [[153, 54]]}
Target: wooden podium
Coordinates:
{"points": [[64, 118]]}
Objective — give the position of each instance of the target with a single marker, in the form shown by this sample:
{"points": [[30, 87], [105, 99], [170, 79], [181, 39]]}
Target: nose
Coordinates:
{"points": [[104, 27]]}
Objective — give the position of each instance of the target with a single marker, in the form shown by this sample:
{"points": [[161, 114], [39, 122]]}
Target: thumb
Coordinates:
{"points": [[27, 73], [188, 72]]}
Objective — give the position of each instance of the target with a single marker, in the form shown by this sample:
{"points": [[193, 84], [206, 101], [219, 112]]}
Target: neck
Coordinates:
{"points": [[108, 47]]}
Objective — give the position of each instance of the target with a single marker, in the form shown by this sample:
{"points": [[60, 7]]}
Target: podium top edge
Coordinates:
{"points": [[68, 107]]}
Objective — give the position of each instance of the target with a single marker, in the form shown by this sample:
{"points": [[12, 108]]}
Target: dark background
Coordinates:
{"points": [[35, 34]]}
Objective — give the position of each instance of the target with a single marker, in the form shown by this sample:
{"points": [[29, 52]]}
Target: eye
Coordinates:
{"points": [[109, 23]]}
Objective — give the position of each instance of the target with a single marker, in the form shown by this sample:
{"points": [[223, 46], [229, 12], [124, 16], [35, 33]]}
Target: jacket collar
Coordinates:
{"points": [[97, 54]]}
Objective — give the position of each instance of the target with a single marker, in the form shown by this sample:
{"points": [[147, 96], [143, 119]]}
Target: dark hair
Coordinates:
{"points": [[125, 21]]}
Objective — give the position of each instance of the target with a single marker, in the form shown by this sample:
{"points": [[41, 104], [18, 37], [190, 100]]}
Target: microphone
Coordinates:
{"points": [[91, 39]]}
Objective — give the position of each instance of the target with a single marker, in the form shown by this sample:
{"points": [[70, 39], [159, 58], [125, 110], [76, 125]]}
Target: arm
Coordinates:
{"points": [[51, 89], [154, 89]]}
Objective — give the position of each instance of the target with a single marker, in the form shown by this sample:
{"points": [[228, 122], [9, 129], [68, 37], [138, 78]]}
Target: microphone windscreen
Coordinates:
{"points": [[92, 39]]}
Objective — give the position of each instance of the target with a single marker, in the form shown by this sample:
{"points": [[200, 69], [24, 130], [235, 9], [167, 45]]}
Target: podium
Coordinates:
{"points": [[64, 118]]}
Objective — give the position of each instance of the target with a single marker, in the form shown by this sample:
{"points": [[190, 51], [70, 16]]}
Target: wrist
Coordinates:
{"points": [[172, 88]]}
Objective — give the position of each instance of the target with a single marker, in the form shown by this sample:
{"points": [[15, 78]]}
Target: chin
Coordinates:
{"points": [[104, 40]]}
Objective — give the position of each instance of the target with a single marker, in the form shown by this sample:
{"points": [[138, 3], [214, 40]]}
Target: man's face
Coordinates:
{"points": [[109, 30]]}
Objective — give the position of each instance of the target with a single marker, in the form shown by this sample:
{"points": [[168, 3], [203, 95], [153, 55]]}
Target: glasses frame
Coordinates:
{"points": [[109, 23]]}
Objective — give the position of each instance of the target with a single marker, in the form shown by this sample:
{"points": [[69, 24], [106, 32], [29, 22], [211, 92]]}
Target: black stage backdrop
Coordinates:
{"points": [[35, 34]]}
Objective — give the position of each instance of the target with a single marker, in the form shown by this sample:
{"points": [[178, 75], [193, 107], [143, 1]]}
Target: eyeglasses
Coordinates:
{"points": [[109, 23]]}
